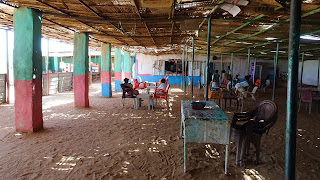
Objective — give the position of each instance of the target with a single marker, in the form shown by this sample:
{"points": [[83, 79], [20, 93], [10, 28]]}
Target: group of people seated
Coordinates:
{"points": [[225, 80], [130, 91], [221, 81]]}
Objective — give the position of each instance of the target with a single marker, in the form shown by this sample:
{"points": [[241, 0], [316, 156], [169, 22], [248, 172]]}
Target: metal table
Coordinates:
{"points": [[210, 125]]}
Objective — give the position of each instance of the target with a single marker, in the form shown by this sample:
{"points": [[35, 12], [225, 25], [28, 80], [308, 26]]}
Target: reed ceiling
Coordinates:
{"points": [[165, 26]]}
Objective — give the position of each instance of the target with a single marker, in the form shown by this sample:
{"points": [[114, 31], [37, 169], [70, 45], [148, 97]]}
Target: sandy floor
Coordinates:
{"points": [[141, 144]]}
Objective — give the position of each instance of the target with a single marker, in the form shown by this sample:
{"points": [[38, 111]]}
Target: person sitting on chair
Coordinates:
{"points": [[215, 79], [243, 85], [128, 88], [162, 86]]}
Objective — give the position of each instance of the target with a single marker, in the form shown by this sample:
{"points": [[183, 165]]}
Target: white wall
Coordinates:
{"points": [[310, 72], [145, 62]]}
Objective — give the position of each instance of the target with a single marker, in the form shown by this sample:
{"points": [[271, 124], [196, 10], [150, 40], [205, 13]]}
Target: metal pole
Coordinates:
{"points": [[192, 68], [301, 73], [7, 78], [231, 69], [275, 71], [293, 66], [47, 67], [185, 70], [254, 68], [208, 57], [249, 61], [221, 63], [318, 73], [182, 76]]}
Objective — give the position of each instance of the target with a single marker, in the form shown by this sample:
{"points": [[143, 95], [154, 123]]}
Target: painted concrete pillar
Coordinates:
{"points": [[127, 65], [106, 90], [80, 70], [27, 66], [117, 69]]}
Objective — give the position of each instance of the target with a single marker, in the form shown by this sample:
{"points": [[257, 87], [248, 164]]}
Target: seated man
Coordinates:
{"points": [[162, 86], [215, 79], [243, 85], [128, 88]]}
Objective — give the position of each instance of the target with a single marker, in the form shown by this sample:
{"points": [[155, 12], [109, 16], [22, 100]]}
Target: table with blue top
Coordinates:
{"points": [[210, 125]]}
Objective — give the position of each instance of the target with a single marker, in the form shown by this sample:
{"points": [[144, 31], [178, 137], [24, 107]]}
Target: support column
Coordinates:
{"points": [[106, 90], [221, 63], [47, 68], [208, 58], [185, 71], [192, 68], [7, 77], [81, 69], [56, 64], [232, 71], [249, 65], [27, 66], [275, 65], [318, 72], [127, 65], [182, 76], [135, 66], [117, 69], [301, 73], [292, 91]]}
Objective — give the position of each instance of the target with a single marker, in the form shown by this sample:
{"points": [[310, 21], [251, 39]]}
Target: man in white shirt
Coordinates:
{"points": [[162, 86]]}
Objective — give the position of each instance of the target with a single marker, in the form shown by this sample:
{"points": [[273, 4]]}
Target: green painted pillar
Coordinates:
{"points": [[81, 70], [27, 66], [56, 64], [127, 65], [117, 69], [106, 90]]}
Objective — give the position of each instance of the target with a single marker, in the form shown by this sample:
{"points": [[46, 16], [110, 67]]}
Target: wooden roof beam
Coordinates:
{"points": [[66, 27], [145, 24], [171, 15], [99, 15], [64, 12]]}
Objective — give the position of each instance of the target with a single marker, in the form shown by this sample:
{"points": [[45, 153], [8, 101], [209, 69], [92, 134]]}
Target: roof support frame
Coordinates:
{"points": [[145, 24], [66, 13], [97, 14]]}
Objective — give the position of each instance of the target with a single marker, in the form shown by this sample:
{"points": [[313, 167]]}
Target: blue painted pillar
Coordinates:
{"points": [[106, 90], [117, 69]]}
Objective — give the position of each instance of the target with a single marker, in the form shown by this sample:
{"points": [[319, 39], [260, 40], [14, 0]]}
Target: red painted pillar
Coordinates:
{"points": [[106, 88], [117, 69], [27, 66], [80, 70]]}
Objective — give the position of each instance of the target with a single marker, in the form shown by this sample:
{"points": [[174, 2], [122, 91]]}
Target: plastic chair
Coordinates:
{"points": [[162, 94], [248, 96], [248, 127], [126, 93], [306, 97], [137, 85]]}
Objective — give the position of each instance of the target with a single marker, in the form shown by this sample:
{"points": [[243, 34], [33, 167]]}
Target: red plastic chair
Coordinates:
{"points": [[162, 95], [137, 84], [305, 96]]}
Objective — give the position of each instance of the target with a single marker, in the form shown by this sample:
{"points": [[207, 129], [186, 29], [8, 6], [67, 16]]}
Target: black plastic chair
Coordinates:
{"points": [[250, 126]]}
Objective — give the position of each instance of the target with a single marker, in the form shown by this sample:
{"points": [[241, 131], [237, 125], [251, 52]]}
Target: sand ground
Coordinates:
{"points": [[141, 144]]}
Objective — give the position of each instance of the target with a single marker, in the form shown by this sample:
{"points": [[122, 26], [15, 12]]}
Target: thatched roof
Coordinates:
{"points": [[166, 25]]}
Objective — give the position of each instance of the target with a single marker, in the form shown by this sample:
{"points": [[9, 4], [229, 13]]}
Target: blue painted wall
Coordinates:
{"points": [[173, 80]]}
